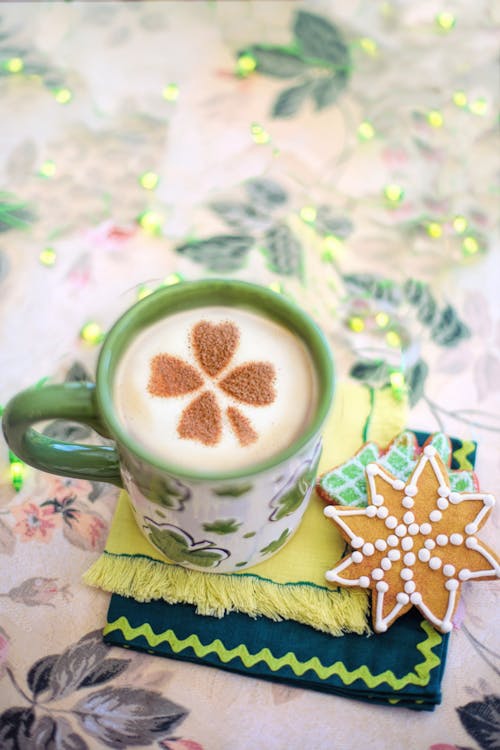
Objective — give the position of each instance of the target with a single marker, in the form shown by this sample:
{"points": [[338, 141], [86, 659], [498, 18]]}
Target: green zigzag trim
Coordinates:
{"points": [[420, 676], [462, 453]]}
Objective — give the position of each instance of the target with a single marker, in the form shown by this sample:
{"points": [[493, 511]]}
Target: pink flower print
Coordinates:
{"points": [[60, 488], [86, 530], [34, 522], [180, 744], [109, 236]]}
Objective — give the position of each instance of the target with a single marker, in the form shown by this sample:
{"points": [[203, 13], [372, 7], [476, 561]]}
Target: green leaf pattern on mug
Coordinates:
{"points": [[166, 491], [234, 490], [180, 547], [276, 544], [296, 489], [223, 526]]}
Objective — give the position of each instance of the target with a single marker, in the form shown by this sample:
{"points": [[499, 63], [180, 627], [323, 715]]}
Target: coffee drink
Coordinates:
{"points": [[215, 389]]}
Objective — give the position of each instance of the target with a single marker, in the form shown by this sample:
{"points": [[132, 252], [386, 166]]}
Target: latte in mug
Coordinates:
{"points": [[215, 388], [212, 395]]}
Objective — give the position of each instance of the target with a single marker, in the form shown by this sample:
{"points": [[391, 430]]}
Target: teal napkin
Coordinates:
{"points": [[403, 666]]}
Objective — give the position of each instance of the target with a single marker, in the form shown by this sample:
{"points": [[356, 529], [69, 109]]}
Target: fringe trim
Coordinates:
{"points": [[335, 612]]}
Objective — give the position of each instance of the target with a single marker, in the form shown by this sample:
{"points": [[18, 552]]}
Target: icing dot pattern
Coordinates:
{"points": [[413, 542]]}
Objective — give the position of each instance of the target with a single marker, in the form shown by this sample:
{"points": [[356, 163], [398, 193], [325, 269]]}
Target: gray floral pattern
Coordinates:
{"points": [[116, 716]]}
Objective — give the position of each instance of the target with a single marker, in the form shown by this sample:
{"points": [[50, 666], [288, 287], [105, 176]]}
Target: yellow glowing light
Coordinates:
{"points": [[171, 279], [308, 214], [259, 135], [151, 222], [276, 287], [48, 169], [470, 245], [47, 256], [14, 65], [394, 193], [17, 471], [63, 95], [330, 242], [393, 339], [171, 92], [460, 98], [460, 224], [149, 180], [434, 230], [382, 319], [445, 20], [92, 333], [366, 131], [478, 106], [369, 46], [435, 118], [331, 248], [397, 379], [246, 65], [356, 324]]}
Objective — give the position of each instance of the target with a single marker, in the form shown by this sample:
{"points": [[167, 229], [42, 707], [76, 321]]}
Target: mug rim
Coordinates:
{"points": [[248, 296]]}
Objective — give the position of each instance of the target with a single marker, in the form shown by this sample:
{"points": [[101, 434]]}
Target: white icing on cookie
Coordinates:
{"points": [[401, 545]]}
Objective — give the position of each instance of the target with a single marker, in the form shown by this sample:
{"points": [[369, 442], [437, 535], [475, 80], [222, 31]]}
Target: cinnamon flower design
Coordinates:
{"points": [[213, 346]]}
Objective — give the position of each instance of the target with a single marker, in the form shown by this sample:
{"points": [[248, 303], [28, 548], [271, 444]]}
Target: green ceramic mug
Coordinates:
{"points": [[175, 506]]}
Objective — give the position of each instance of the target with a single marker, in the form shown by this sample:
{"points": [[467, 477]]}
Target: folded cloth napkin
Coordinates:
{"points": [[290, 585], [402, 667]]}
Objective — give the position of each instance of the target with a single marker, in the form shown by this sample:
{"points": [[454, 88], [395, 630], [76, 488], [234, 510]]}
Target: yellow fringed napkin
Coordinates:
{"points": [[291, 584]]}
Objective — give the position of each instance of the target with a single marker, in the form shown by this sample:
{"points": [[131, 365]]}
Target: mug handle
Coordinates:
{"points": [[73, 401]]}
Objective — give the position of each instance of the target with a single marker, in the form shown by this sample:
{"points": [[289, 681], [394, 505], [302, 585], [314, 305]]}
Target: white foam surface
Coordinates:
{"points": [[153, 420]]}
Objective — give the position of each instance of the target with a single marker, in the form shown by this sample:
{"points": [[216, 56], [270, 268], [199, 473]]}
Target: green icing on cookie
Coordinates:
{"points": [[400, 458], [346, 484], [461, 481], [443, 446]]}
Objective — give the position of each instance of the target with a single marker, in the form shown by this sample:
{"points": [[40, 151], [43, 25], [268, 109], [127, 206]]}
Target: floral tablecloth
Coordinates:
{"points": [[342, 153]]}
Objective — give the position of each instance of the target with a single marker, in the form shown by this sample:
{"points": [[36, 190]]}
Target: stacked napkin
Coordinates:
{"points": [[156, 605]]}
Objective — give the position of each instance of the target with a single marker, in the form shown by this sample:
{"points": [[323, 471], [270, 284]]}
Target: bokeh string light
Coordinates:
{"points": [[17, 468], [17, 471], [47, 169], [48, 257], [170, 92], [149, 180], [92, 333]]}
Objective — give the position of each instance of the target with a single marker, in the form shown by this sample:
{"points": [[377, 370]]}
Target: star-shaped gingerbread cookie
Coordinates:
{"points": [[415, 543]]}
